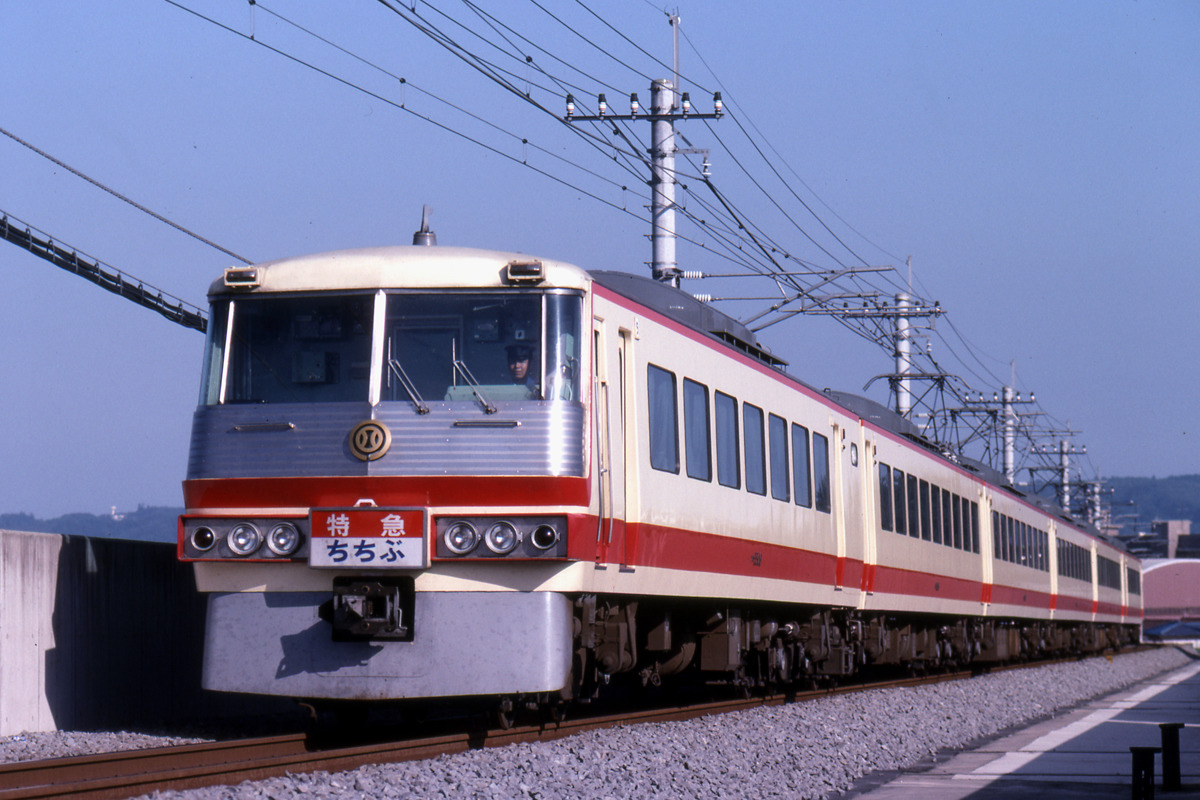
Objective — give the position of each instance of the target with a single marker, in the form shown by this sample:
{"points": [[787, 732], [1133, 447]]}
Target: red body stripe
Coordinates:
{"points": [[340, 492], [891, 580]]}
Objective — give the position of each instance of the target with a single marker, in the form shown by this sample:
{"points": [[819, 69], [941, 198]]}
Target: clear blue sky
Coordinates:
{"points": [[1040, 163]]}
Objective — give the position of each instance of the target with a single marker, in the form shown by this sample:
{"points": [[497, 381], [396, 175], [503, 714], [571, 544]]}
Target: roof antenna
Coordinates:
{"points": [[425, 236]]}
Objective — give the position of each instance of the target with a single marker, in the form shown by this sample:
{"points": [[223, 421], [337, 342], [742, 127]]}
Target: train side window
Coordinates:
{"points": [[885, 497], [821, 471], [664, 420], [729, 453], [975, 527], [954, 502], [756, 457], [696, 437], [801, 485], [777, 437], [914, 507], [935, 514], [926, 513], [898, 501], [947, 532], [997, 547]]}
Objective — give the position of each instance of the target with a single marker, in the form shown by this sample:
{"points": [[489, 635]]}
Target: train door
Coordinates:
{"points": [[838, 508], [871, 501], [852, 512], [1052, 565], [608, 358], [987, 547]]}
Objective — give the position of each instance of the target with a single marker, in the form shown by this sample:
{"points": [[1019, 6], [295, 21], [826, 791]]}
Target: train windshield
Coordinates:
{"points": [[484, 347], [476, 347], [289, 350]]}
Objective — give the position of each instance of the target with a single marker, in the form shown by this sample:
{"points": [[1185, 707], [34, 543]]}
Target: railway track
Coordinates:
{"points": [[111, 776]]}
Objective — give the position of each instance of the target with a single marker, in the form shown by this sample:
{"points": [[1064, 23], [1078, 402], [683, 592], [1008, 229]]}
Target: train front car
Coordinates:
{"points": [[388, 470]]}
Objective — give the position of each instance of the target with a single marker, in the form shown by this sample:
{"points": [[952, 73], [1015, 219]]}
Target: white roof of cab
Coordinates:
{"points": [[401, 267]]}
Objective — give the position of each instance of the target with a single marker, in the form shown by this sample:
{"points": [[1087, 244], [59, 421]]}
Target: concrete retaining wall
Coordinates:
{"points": [[96, 634]]}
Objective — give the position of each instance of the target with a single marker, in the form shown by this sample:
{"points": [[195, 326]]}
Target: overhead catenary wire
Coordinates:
{"points": [[123, 198], [722, 231]]}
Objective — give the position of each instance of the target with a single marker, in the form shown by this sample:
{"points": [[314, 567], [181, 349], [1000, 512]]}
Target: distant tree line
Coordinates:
{"points": [[147, 523], [1149, 499]]}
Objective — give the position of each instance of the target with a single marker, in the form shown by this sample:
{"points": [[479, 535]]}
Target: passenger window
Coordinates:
{"points": [[935, 513], [948, 522], [926, 513], [664, 421], [777, 437], [696, 430], [962, 525], [885, 497], [974, 527], [898, 497], [729, 453], [800, 478], [997, 546], [756, 463], [914, 508], [821, 472]]}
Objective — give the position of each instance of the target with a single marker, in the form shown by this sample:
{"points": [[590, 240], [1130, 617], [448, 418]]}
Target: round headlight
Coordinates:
{"points": [[501, 538], [283, 539], [460, 538], [544, 537], [203, 539], [244, 539]]}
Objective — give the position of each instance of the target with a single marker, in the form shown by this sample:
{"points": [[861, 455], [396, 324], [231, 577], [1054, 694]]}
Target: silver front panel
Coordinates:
{"points": [[464, 643], [460, 439], [292, 440], [302, 439]]}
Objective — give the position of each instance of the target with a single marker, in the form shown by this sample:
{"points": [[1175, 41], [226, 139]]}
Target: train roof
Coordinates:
{"points": [[405, 266], [686, 310]]}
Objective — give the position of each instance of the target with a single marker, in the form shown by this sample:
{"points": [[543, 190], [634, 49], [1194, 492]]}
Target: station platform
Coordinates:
{"points": [[1084, 753]]}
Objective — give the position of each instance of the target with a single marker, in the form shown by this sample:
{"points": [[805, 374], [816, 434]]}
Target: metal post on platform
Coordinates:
{"points": [[1143, 772], [1170, 755]]}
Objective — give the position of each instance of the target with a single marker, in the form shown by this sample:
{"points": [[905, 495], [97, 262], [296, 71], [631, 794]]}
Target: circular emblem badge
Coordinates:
{"points": [[370, 440]]}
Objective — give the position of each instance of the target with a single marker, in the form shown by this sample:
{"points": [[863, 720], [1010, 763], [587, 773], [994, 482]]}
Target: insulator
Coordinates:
{"points": [[687, 103], [633, 103], [718, 106], [691, 275], [603, 104], [703, 298], [570, 105]]}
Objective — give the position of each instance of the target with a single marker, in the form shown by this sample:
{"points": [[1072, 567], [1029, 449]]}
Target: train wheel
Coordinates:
{"points": [[505, 715]]}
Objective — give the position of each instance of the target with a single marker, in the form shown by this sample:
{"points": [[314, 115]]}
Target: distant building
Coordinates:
{"points": [[1145, 544], [1178, 533]]}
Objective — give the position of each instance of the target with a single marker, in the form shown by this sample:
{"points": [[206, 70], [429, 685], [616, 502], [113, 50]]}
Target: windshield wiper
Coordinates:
{"points": [[394, 368], [461, 369]]}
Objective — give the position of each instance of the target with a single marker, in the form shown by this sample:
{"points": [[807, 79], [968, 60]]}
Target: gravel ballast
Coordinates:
{"points": [[811, 749]]}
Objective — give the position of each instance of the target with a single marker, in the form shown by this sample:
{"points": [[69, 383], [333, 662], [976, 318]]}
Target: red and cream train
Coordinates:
{"points": [[378, 510]]}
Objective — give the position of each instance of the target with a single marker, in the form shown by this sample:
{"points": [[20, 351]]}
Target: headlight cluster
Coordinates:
{"points": [[511, 537], [234, 538]]}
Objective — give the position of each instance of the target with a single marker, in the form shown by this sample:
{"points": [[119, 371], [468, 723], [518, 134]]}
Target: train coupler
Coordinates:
{"points": [[372, 608]]}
